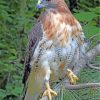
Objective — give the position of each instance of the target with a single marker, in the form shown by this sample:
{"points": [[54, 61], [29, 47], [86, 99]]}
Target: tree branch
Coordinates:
{"points": [[81, 86], [93, 67]]}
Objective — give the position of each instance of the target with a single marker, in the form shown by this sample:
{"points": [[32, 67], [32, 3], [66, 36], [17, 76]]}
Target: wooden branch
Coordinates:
{"points": [[93, 67], [81, 86]]}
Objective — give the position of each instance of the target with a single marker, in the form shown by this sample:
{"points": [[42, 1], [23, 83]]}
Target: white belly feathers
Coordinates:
{"points": [[55, 56]]}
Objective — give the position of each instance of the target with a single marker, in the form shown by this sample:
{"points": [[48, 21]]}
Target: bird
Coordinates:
{"points": [[53, 42]]}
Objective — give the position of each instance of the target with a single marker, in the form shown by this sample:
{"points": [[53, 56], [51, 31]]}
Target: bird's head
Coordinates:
{"points": [[49, 3], [42, 3]]}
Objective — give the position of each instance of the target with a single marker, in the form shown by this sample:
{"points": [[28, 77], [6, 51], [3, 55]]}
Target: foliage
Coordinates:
{"points": [[16, 21], [17, 17]]}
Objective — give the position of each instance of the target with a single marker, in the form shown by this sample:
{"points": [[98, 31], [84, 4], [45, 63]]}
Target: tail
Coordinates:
{"points": [[34, 85]]}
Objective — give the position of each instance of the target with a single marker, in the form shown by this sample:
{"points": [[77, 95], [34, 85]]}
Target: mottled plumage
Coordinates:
{"points": [[54, 40]]}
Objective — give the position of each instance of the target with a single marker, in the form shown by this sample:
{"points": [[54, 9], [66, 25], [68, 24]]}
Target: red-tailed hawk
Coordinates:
{"points": [[52, 45]]}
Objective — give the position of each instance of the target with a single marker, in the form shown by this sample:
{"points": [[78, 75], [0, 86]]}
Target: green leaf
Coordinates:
{"points": [[85, 16], [3, 93], [90, 30]]}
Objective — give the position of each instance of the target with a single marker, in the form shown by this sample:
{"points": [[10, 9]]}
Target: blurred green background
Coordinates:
{"points": [[17, 18]]}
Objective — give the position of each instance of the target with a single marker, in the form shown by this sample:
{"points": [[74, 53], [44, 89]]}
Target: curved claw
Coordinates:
{"points": [[49, 92], [72, 77]]}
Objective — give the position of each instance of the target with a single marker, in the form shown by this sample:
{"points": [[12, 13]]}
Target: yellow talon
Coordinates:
{"points": [[72, 77], [49, 92]]}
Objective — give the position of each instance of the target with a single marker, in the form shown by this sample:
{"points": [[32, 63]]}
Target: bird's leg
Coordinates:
{"points": [[72, 77], [49, 92]]}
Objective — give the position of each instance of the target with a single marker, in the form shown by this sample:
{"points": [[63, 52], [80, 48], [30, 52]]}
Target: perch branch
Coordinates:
{"points": [[81, 86], [92, 66]]}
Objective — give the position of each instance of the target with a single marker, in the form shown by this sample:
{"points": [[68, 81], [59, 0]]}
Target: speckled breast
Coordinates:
{"points": [[57, 57]]}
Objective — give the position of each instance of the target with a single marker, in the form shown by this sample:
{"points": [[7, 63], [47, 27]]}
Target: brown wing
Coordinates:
{"points": [[34, 38]]}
